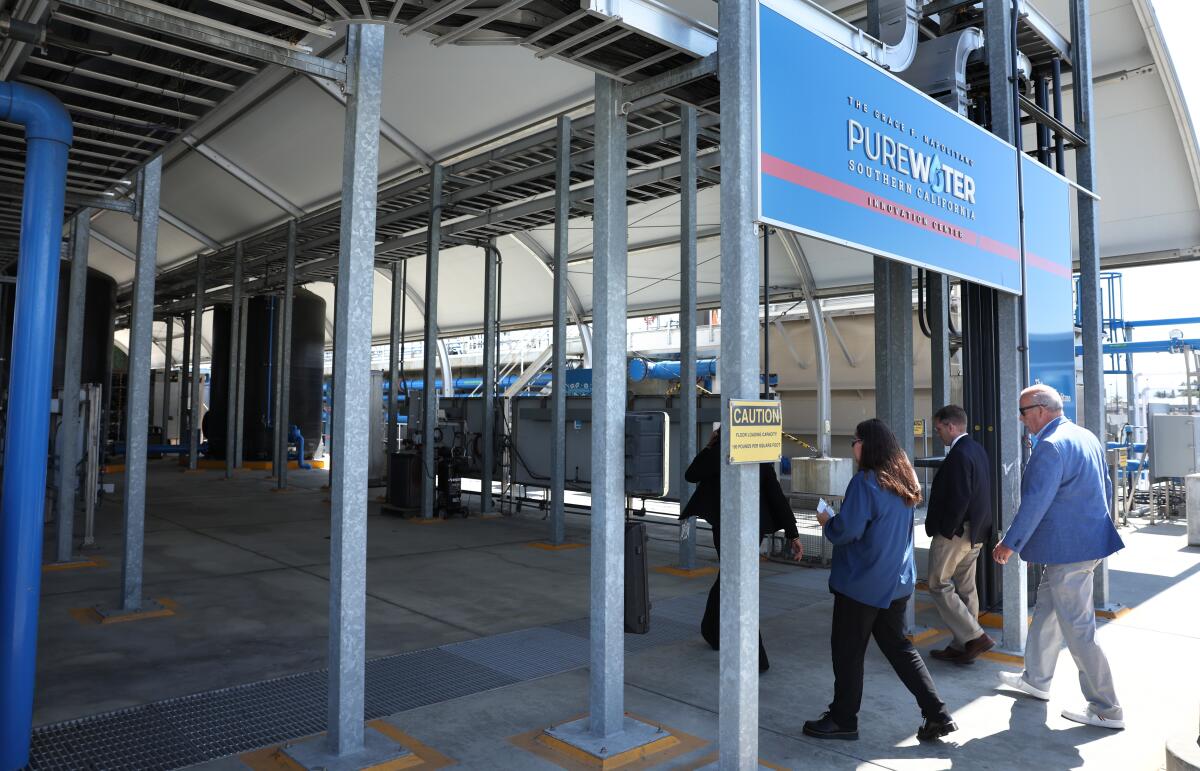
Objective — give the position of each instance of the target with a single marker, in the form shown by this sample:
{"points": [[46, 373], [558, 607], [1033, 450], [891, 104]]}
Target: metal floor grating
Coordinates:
{"points": [[192, 729]]}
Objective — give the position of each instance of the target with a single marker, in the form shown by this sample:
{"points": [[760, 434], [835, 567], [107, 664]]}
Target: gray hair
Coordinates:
{"points": [[1044, 395]]}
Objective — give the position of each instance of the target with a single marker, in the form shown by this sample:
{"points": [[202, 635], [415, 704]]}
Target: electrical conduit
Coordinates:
{"points": [[47, 137]]}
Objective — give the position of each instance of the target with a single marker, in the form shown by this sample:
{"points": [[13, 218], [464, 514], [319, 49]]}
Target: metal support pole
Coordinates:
{"points": [[239, 425], [687, 327], [937, 305], [233, 380], [998, 29], [558, 368], [766, 311], [429, 396], [893, 360], [1060, 163], [1089, 243], [490, 351], [166, 384], [197, 405], [353, 399], [278, 423], [738, 721], [394, 334], [283, 416], [185, 363], [607, 697], [68, 443], [137, 409], [1014, 575]]}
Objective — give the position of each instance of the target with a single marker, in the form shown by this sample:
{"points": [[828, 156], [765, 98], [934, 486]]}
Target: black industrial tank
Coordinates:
{"points": [[99, 318], [308, 352]]}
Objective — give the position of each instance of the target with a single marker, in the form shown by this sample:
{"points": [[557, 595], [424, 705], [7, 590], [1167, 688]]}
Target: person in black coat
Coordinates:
{"points": [[958, 520], [774, 511]]}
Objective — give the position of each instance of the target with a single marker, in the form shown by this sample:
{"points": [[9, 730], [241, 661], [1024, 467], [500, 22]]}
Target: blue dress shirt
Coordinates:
{"points": [[1065, 489], [872, 539]]}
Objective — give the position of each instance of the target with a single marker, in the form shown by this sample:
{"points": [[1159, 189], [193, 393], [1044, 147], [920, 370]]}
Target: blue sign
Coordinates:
{"points": [[849, 154], [1049, 307]]}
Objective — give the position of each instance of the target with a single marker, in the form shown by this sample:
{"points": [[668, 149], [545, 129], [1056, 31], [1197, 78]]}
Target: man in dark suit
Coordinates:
{"points": [[958, 520], [775, 514]]}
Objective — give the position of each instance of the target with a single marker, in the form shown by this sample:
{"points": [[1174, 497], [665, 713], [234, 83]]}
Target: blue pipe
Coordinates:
{"points": [[47, 138], [294, 435], [644, 369]]}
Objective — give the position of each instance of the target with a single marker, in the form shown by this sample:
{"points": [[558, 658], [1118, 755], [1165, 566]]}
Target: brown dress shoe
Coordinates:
{"points": [[947, 654], [977, 647]]}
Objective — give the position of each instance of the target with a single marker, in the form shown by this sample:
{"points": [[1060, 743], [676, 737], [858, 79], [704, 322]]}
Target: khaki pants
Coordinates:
{"points": [[952, 586]]}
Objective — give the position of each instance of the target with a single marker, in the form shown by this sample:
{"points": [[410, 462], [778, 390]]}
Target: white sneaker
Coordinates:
{"points": [[1087, 717], [1016, 681]]}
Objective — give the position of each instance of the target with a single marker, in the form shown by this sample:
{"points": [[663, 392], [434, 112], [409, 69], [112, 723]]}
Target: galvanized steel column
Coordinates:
{"points": [[1010, 381], [429, 396], [233, 380], [738, 731], [184, 378], [278, 424], [607, 697], [937, 305], [239, 425], [687, 327], [285, 370], [894, 360], [1089, 246], [166, 386], [558, 366], [197, 393], [1092, 397], [394, 334], [998, 21], [137, 410], [353, 402], [490, 354], [68, 439]]}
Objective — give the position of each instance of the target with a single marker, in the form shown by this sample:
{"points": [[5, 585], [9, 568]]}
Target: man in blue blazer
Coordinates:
{"points": [[1064, 524]]}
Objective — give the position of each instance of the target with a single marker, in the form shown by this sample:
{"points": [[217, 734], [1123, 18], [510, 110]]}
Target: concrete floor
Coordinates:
{"points": [[247, 568]]}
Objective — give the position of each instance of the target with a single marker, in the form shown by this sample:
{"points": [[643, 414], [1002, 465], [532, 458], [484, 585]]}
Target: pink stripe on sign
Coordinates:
{"points": [[817, 182], [1037, 261]]}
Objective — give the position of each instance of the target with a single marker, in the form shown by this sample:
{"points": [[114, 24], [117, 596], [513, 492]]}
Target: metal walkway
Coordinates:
{"points": [[193, 729]]}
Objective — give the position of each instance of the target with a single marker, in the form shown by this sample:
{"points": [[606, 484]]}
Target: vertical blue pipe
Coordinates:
{"points": [[47, 137]]}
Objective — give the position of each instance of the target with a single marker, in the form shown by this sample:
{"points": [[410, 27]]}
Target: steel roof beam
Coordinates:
{"points": [[267, 13], [103, 97], [197, 29], [103, 77], [75, 21], [243, 176]]}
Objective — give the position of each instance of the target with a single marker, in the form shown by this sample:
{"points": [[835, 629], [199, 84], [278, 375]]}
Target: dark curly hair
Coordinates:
{"points": [[881, 453]]}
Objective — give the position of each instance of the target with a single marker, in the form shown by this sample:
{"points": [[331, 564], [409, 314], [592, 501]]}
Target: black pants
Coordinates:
{"points": [[710, 625], [854, 624]]}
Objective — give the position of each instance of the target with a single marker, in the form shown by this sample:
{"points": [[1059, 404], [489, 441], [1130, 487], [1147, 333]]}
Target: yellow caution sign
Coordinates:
{"points": [[755, 431], [919, 428]]}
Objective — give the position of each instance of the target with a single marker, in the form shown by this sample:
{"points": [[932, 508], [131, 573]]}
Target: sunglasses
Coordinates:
{"points": [[1022, 410]]}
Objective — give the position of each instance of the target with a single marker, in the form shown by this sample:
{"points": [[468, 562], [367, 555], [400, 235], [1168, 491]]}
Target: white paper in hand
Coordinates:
{"points": [[824, 507]]}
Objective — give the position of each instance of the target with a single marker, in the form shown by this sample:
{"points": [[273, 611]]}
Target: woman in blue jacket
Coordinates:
{"points": [[872, 580]]}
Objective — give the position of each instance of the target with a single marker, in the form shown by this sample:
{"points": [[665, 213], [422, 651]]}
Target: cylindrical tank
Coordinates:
{"points": [[99, 318], [307, 365]]}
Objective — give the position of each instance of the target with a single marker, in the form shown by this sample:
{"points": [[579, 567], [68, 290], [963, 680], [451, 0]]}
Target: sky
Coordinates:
{"points": [[1168, 291]]}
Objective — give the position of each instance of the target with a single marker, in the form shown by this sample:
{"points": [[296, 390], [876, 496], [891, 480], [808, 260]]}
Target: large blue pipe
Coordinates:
{"points": [[644, 369], [47, 138]]}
